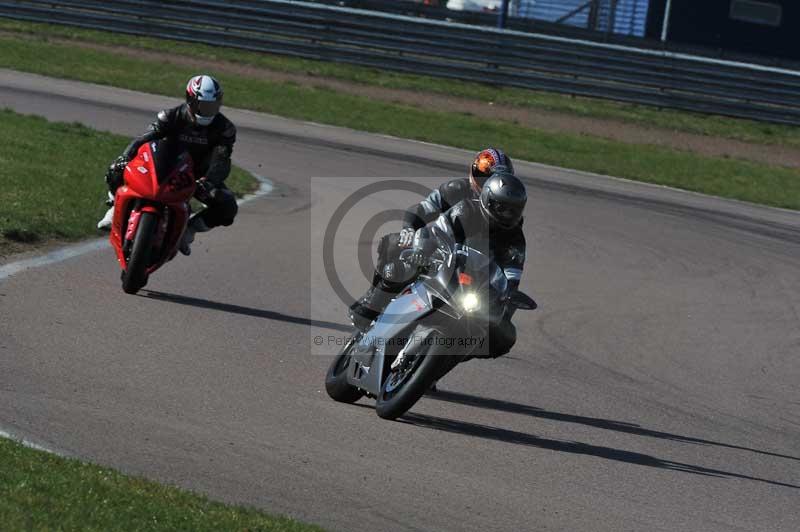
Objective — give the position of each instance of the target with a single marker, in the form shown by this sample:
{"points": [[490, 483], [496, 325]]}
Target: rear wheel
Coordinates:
{"points": [[135, 275], [336, 379], [406, 384]]}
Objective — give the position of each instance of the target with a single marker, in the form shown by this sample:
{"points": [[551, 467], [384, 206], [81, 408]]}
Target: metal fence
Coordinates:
{"points": [[444, 49]]}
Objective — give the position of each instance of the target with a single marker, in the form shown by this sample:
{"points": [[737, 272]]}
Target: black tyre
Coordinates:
{"points": [[336, 379], [404, 387], [135, 275]]}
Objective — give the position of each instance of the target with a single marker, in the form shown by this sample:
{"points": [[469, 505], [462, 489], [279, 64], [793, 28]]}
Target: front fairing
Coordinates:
{"points": [[173, 219], [392, 326], [460, 271], [149, 176], [407, 308], [470, 275], [159, 180]]}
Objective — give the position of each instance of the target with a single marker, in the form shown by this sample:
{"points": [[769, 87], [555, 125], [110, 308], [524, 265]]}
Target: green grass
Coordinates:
{"points": [[717, 126], [731, 178], [52, 179], [43, 492]]}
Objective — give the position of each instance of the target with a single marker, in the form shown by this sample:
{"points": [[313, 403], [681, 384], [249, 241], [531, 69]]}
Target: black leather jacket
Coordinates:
{"points": [[210, 146]]}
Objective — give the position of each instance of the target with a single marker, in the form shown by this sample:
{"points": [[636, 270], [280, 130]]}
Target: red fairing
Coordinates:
{"points": [[133, 223], [167, 198]]}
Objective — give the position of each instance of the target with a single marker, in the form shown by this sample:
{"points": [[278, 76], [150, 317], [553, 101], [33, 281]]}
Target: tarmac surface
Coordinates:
{"points": [[656, 388]]}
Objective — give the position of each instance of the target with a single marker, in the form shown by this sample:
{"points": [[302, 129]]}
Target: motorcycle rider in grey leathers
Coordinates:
{"points": [[490, 222]]}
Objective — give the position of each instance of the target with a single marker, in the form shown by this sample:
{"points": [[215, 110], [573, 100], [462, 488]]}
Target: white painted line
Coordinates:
{"points": [[29, 444], [266, 187], [76, 250], [59, 255]]}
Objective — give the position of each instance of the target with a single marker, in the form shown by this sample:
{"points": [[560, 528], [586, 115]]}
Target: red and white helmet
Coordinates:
{"points": [[204, 98]]}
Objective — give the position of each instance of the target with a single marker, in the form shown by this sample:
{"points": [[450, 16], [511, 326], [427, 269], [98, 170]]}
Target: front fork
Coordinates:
{"points": [[133, 225]]}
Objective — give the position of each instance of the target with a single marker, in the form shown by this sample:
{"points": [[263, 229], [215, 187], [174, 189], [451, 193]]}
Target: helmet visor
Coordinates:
{"points": [[206, 109], [483, 166], [507, 214]]}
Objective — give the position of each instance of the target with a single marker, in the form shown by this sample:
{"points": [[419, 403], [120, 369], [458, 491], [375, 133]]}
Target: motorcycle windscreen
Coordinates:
{"points": [[174, 170], [166, 154]]}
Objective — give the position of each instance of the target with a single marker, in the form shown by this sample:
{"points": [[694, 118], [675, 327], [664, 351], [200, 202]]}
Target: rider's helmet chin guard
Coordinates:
{"points": [[503, 200], [204, 99], [485, 164]]}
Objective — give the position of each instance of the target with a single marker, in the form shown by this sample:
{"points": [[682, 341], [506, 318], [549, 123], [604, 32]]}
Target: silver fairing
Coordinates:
{"points": [[459, 271], [399, 316]]}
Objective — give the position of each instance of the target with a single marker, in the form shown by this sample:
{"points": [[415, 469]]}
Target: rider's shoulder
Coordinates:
{"points": [[458, 185], [168, 120], [455, 190], [226, 128], [169, 116]]}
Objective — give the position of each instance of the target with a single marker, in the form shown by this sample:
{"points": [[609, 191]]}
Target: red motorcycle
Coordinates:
{"points": [[151, 211]]}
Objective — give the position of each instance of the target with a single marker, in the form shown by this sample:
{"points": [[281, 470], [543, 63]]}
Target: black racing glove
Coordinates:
{"points": [[205, 190], [419, 259], [115, 171], [423, 247]]}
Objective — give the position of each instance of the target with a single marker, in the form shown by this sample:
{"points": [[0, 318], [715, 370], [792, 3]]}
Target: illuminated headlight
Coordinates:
{"points": [[470, 302]]}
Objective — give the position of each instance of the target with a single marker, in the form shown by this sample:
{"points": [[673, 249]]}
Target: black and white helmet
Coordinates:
{"points": [[204, 98], [503, 200]]}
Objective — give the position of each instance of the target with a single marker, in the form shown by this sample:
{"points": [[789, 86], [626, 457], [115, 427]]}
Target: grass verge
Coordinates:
{"points": [[52, 180], [40, 491], [758, 183], [715, 126]]}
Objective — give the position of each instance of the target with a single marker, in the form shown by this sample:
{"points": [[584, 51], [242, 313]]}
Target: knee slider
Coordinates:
{"points": [[226, 206]]}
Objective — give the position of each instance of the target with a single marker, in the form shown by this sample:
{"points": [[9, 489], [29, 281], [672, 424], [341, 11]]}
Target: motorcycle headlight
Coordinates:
{"points": [[470, 302]]}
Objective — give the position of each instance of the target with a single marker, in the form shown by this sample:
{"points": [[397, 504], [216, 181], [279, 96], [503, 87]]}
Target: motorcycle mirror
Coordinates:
{"points": [[522, 301]]}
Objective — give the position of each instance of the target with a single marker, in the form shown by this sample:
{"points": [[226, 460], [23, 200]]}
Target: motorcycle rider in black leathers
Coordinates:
{"points": [[198, 127], [492, 224]]}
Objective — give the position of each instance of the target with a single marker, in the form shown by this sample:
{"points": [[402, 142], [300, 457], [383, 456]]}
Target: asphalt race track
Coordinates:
{"points": [[655, 389]]}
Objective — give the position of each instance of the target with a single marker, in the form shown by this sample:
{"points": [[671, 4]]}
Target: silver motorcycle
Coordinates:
{"points": [[440, 319]]}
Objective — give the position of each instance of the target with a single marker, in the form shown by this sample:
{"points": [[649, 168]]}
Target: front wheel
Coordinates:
{"points": [[405, 385], [336, 379], [135, 275]]}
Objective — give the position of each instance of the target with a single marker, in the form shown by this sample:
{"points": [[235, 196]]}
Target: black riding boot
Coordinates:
{"points": [[367, 309]]}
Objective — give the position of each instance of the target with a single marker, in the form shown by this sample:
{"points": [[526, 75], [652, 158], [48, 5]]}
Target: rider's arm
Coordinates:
{"points": [[437, 202], [423, 241], [157, 130], [512, 258], [220, 165], [419, 214]]}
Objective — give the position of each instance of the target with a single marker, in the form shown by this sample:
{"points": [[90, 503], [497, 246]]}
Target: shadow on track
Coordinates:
{"points": [[608, 453], [245, 311], [606, 424]]}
